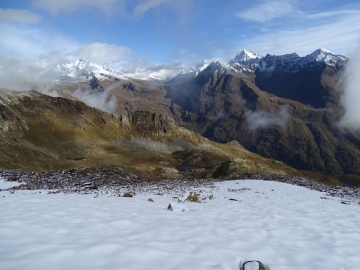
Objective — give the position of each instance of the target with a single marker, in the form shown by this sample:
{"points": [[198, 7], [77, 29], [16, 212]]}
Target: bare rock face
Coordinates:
{"points": [[9, 120], [147, 123]]}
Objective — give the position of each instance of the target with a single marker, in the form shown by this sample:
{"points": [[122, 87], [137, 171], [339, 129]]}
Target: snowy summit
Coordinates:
{"points": [[192, 72], [246, 57], [250, 61], [83, 70]]}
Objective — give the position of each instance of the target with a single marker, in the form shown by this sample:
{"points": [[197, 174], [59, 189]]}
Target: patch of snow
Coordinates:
{"points": [[4, 184], [281, 225]]}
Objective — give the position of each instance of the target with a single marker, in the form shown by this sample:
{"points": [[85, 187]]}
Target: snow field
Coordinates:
{"points": [[284, 226]]}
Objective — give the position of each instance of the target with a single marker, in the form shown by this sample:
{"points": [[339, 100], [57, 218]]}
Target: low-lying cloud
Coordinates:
{"points": [[104, 101], [20, 74], [262, 119], [351, 96]]}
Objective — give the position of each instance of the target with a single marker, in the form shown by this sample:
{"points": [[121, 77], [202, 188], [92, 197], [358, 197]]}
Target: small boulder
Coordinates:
{"points": [[193, 197]]}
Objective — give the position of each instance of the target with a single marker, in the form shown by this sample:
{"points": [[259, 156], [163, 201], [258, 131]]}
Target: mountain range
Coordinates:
{"points": [[283, 108]]}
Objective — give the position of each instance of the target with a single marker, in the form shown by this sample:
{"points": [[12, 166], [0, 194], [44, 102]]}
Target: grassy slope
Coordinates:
{"points": [[47, 133]]}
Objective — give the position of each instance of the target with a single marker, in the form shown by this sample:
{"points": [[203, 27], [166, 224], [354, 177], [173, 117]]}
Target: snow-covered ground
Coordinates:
{"points": [[7, 184], [284, 226]]}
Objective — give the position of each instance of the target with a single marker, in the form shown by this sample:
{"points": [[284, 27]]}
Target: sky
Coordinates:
{"points": [[133, 34]]}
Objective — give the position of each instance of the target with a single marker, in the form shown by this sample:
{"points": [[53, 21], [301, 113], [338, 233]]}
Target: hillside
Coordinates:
{"points": [[39, 132], [282, 107]]}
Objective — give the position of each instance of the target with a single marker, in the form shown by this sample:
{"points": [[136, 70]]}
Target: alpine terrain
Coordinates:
{"points": [[284, 108]]}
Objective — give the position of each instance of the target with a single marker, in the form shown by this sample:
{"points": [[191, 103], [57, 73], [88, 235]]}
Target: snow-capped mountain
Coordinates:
{"points": [[84, 70], [325, 56], [294, 62], [246, 58], [250, 61], [192, 72], [245, 61]]}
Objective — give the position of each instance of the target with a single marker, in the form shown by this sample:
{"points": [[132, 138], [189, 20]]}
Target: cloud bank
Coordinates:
{"points": [[104, 101], [20, 74], [351, 96], [262, 119]]}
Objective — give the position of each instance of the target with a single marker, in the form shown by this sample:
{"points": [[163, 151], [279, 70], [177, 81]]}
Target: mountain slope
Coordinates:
{"points": [[38, 132], [284, 108]]}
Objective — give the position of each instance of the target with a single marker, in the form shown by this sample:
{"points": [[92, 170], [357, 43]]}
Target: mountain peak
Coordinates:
{"points": [[81, 69], [246, 57], [325, 56]]}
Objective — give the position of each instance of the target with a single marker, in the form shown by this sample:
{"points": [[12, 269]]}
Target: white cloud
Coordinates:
{"points": [[19, 73], [19, 16], [267, 11], [146, 5], [351, 96], [262, 119], [125, 8], [330, 14], [32, 42], [56, 6], [102, 53], [104, 101], [143, 70], [338, 34]]}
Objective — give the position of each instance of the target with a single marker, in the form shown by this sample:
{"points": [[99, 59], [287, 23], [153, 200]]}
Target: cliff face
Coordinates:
{"points": [[148, 124]]}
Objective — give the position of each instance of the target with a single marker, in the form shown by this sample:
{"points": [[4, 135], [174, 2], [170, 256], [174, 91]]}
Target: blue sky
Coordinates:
{"points": [[135, 34]]}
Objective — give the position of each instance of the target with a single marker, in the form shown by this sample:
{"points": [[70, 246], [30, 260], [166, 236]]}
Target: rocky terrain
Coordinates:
{"points": [[117, 181], [43, 133], [282, 107]]}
